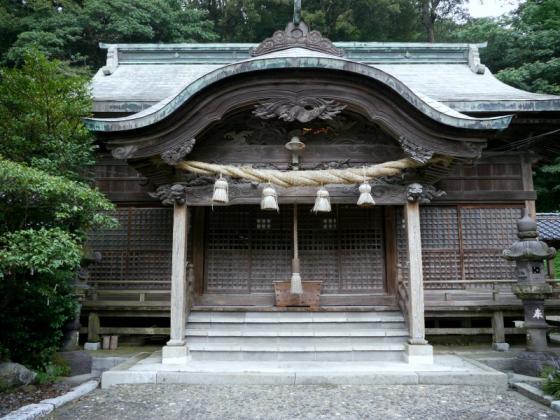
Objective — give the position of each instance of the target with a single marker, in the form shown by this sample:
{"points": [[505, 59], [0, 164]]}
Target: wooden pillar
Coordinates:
{"points": [[498, 332], [418, 350], [94, 326], [527, 179], [415, 276], [176, 349], [391, 258]]}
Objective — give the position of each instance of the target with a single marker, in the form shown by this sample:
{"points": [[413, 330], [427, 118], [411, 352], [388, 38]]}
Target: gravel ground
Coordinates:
{"points": [[140, 402], [15, 398]]}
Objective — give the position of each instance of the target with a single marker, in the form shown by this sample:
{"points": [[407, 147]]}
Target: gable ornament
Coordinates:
{"points": [[303, 109], [296, 35]]}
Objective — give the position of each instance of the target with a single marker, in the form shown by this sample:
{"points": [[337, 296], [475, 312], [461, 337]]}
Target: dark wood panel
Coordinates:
{"points": [[314, 154]]}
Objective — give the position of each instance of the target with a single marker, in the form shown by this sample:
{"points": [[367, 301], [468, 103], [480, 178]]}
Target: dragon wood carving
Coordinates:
{"points": [[304, 109]]}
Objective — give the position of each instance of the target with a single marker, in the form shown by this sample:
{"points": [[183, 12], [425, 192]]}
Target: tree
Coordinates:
{"points": [[41, 106], [72, 29], [115, 21], [45, 209], [432, 11], [340, 20]]}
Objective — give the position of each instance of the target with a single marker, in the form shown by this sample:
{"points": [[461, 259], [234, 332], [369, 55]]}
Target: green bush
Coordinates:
{"points": [[36, 267], [551, 385], [37, 264], [56, 368]]}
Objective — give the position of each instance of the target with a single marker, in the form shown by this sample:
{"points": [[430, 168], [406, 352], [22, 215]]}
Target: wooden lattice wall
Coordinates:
{"points": [[137, 254], [462, 242], [247, 249]]}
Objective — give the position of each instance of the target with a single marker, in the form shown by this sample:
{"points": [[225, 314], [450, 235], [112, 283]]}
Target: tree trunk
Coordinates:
{"points": [[428, 20]]}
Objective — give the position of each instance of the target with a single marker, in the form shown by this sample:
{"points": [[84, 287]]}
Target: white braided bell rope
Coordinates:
{"points": [[309, 178]]}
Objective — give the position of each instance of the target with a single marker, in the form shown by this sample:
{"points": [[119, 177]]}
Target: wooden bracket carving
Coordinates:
{"points": [[296, 35], [124, 152], [175, 155], [303, 109], [414, 151], [171, 194], [422, 193]]}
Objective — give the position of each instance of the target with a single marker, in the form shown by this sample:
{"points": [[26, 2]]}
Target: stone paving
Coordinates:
{"points": [[140, 402]]}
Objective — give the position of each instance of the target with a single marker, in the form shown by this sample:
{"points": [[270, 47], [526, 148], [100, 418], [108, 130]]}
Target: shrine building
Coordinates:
{"points": [[302, 199]]}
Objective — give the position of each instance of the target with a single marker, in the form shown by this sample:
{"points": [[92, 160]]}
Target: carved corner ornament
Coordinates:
{"points": [[423, 194], [171, 194], [304, 109], [174, 155], [414, 151], [296, 35], [124, 152], [474, 60]]}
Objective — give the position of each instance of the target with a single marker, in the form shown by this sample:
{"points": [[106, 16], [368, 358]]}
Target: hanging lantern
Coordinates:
{"points": [[366, 199], [322, 202], [269, 199], [220, 191]]}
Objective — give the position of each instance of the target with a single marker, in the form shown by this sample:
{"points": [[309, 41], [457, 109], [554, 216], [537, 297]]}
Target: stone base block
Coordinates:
{"points": [[419, 354], [531, 363], [80, 362], [92, 346], [174, 355], [500, 346]]}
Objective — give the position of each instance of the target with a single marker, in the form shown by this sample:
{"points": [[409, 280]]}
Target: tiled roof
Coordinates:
{"points": [[138, 76], [549, 226]]}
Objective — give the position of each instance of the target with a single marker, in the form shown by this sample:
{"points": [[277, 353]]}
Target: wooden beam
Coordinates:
{"points": [[415, 275], [131, 330], [339, 194], [471, 331]]}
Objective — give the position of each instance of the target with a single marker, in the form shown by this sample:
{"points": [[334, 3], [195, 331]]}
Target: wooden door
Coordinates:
{"points": [[246, 249]]}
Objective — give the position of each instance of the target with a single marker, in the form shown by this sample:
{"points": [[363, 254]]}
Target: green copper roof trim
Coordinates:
{"points": [[224, 53], [425, 105]]}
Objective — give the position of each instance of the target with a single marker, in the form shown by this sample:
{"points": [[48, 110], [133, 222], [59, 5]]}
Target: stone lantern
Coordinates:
{"points": [[529, 254]]}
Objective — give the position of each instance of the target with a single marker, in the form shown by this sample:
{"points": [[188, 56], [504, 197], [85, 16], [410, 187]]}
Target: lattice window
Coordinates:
{"points": [[247, 249], [227, 249], [318, 249], [137, 254], [441, 253], [460, 243], [362, 252], [486, 232]]}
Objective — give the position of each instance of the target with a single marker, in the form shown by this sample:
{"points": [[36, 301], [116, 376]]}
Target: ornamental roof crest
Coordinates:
{"points": [[296, 35]]}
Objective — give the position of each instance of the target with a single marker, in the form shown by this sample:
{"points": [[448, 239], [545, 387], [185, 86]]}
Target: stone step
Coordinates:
{"points": [[295, 326], [339, 332], [296, 340], [227, 352], [294, 317]]}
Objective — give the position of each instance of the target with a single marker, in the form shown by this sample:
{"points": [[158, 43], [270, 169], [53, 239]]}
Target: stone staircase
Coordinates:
{"points": [[296, 336]]}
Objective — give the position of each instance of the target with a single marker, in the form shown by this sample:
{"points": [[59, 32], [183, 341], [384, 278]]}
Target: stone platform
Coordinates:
{"points": [[147, 368]]}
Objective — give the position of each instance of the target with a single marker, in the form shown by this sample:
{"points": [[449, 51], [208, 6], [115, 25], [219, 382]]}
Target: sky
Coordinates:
{"points": [[491, 8]]}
